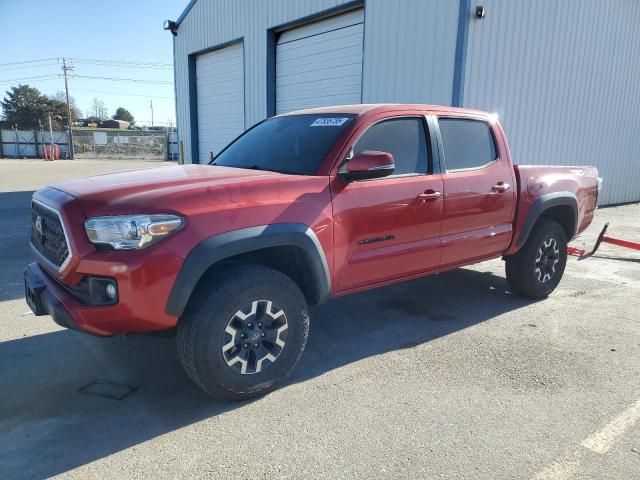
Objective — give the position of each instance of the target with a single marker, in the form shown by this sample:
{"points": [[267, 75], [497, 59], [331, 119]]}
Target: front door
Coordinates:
{"points": [[389, 227]]}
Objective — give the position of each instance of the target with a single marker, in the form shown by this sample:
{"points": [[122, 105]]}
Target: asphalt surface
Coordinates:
{"points": [[449, 376]]}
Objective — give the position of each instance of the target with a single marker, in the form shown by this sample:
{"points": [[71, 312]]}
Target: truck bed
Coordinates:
{"points": [[537, 183]]}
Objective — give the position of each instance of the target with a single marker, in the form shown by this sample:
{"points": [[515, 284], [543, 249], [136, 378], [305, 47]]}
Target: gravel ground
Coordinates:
{"points": [[444, 377]]}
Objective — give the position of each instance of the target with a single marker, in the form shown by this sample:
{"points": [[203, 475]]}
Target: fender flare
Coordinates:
{"points": [[545, 202], [225, 245]]}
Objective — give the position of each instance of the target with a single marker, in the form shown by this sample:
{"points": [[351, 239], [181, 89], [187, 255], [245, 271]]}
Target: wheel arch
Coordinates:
{"points": [[561, 207], [292, 248]]}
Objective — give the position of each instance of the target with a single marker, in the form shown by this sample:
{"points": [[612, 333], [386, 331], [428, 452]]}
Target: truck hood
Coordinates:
{"points": [[162, 188]]}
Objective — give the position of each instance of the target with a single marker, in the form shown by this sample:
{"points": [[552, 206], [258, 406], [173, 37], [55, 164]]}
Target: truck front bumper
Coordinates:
{"points": [[133, 312], [44, 297], [42, 300]]}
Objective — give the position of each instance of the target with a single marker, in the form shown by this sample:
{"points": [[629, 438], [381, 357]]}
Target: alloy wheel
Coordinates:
{"points": [[254, 337], [547, 258]]}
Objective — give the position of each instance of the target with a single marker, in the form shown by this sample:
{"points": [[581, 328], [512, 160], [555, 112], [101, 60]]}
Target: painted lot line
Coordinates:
{"points": [[602, 441], [599, 442]]}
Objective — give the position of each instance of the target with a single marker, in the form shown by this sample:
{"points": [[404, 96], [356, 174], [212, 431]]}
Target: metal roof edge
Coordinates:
{"points": [[185, 12]]}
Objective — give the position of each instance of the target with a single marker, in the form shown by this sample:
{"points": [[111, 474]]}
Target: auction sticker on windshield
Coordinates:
{"points": [[329, 122]]}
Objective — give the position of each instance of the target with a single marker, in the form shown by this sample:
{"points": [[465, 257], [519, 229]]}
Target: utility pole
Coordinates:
{"points": [[152, 113], [65, 68]]}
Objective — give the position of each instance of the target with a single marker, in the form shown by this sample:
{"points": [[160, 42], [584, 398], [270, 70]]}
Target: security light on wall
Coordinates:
{"points": [[480, 13], [171, 26]]}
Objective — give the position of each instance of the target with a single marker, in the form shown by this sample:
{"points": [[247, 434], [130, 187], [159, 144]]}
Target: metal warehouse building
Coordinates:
{"points": [[563, 75]]}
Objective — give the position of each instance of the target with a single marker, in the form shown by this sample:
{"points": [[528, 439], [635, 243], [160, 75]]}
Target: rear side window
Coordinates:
{"points": [[467, 143], [404, 138]]}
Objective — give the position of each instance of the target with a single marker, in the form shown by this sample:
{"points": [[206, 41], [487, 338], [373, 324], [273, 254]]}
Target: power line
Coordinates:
{"points": [[118, 79], [31, 66], [122, 63], [119, 61], [118, 65], [119, 93], [91, 60], [28, 61], [41, 77], [128, 65], [48, 62]]}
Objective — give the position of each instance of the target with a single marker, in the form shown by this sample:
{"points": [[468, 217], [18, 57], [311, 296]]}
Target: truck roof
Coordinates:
{"points": [[359, 109]]}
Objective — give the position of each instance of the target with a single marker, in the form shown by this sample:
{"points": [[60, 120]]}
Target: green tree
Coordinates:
{"points": [[26, 107], [123, 114]]}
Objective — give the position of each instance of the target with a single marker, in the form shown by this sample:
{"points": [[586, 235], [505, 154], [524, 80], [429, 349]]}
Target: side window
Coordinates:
{"points": [[404, 138], [467, 143]]}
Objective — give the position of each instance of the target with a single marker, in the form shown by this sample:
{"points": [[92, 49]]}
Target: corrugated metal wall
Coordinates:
{"points": [[564, 76], [409, 51], [408, 48]]}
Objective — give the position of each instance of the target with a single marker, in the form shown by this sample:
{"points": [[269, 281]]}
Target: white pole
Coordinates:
{"points": [[51, 133]]}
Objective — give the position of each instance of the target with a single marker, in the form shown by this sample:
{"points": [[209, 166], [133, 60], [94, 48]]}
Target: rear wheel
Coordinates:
{"points": [[536, 270], [244, 332]]}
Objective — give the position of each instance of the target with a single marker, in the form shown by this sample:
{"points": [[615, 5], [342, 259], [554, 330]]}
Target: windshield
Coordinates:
{"points": [[294, 144]]}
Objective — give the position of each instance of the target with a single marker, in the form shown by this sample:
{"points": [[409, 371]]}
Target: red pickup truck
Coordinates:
{"points": [[300, 208]]}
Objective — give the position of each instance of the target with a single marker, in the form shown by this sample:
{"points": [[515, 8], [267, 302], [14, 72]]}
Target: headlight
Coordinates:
{"points": [[131, 232]]}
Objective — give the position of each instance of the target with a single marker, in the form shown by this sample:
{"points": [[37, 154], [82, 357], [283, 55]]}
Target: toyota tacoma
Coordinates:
{"points": [[300, 208]]}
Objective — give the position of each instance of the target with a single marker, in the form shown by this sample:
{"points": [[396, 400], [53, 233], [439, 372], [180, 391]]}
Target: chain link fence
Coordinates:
{"points": [[122, 144], [91, 143]]}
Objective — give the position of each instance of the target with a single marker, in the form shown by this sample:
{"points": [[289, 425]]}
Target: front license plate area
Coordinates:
{"points": [[32, 296]]}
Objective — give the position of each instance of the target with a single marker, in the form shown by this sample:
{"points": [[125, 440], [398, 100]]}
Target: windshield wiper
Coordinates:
{"points": [[250, 167], [253, 167]]}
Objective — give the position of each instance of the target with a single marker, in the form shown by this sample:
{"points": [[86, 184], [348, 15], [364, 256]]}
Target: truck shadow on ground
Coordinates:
{"points": [[47, 427], [15, 225]]}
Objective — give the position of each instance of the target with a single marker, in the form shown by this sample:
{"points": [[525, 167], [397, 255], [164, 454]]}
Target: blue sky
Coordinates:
{"points": [[120, 30]]}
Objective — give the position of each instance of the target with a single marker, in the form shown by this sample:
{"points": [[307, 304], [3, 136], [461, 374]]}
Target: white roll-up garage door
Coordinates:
{"points": [[220, 97], [320, 64]]}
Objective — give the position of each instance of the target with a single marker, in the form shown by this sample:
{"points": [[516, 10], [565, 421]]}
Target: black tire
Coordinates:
{"points": [[531, 274], [221, 304]]}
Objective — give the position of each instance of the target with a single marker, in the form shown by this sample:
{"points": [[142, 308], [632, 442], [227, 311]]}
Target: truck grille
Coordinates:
{"points": [[47, 235]]}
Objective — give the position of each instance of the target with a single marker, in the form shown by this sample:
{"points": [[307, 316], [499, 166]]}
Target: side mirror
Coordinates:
{"points": [[367, 165]]}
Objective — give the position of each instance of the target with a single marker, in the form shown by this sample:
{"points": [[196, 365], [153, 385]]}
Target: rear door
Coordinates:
{"points": [[479, 191]]}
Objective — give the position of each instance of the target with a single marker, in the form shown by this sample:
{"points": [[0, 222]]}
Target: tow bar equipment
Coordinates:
{"points": [[602, 238]]}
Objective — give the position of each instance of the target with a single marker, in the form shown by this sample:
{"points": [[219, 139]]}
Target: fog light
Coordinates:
{"points": [[110, 290]]}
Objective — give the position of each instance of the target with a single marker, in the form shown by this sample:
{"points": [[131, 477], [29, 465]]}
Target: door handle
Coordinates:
{"points": [[429, 196], [500, 187]]}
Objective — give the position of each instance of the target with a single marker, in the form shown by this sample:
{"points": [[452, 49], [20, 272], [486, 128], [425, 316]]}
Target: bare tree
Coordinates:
{"points": [[98, 109], [61, 97]]}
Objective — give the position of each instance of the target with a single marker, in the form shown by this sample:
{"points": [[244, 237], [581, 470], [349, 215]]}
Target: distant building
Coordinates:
{"points": [[90, 122], [160, 128], [121, 124]]}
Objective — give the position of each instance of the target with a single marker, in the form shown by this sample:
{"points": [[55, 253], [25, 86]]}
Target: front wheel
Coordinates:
{"points": [[244, 332], [537, 268]]}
